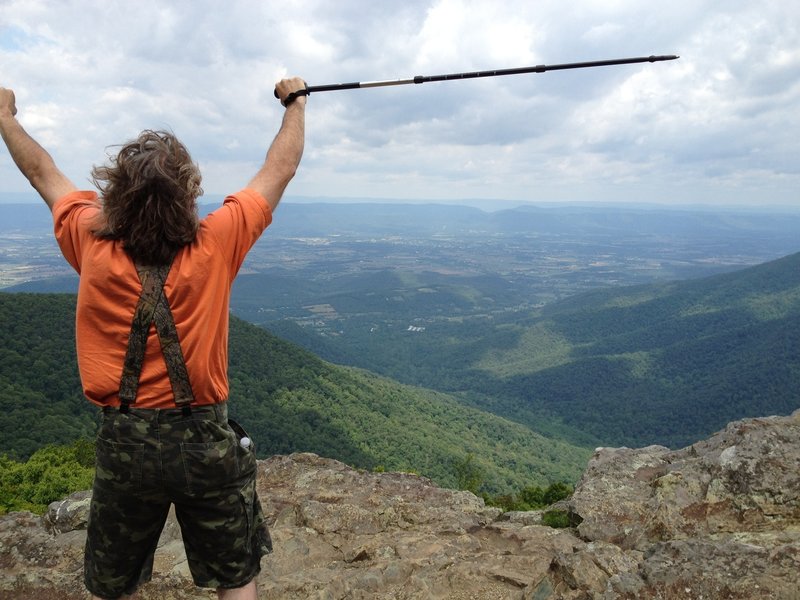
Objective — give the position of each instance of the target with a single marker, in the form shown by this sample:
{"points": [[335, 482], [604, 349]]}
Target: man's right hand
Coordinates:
{"points": [[8, 103]]}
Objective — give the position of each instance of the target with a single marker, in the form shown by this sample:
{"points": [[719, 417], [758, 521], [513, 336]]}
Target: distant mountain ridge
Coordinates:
{"points": [[426, 219], [310, 219]]}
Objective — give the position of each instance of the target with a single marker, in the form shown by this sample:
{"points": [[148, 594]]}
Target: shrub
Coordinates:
{"points": [[530, 498], [48, 475], [556, 518]]}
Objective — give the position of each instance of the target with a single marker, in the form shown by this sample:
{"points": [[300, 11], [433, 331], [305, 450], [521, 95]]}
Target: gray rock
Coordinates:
{"points": [[69, 514], [717, 520], [743, 479]]}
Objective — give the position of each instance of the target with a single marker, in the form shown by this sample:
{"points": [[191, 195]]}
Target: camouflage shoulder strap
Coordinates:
{"points": [[154, 308]]}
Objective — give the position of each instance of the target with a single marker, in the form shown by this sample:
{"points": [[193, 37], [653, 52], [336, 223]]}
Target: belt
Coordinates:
{"points": [[203, 412]]}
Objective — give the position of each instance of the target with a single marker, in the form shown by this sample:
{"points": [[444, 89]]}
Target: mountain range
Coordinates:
{"points": [[472, 369], [665, 363]]}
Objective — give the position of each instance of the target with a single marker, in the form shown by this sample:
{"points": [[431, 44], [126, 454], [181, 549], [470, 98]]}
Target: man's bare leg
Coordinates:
{"points": [[247, 592]]}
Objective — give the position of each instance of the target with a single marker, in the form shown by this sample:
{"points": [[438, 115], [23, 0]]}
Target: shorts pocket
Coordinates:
{"points": [[118, 465], [247, 452], [257, 530], [261, 539], [210, 465], [247, 497]]}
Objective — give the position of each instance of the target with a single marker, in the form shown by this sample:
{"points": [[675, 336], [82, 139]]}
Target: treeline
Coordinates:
{"points": [[289, 401]]}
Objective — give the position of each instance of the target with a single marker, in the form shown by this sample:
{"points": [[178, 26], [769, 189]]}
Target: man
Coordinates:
{"points": [[152, 333]]}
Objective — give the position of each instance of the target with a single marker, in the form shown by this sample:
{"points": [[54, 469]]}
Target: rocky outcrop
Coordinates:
{"points": [[720, 519]]}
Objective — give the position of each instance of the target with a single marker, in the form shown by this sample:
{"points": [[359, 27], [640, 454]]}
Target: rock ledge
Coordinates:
{"points": [[720, 519]]}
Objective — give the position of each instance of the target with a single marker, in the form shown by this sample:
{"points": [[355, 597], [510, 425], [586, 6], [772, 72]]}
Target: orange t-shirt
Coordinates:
{"points": [[197, 290]]}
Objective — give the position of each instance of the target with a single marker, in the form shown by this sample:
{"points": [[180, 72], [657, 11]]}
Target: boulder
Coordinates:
{"points": [[744, 479], [69, 514]]}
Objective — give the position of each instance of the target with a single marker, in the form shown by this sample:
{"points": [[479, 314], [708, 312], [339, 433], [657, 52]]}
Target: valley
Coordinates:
{"points": [[598, 326]]}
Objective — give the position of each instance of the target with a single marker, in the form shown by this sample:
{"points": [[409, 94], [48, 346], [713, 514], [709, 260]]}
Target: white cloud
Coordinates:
{"points": [[717, 125]]}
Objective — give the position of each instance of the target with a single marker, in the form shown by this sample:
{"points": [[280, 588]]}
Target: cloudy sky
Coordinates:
{"points": [[721, 125]]}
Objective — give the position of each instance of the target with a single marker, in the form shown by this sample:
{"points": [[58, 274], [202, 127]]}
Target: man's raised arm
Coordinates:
{"points": [[33, 160], [286, 150]]}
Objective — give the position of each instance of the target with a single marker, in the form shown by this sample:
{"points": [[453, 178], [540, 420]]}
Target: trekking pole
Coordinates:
{"points": [[474, 74]]}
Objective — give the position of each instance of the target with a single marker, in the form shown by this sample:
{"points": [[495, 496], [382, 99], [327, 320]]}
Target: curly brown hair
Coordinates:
{"points": [[149, 197]]}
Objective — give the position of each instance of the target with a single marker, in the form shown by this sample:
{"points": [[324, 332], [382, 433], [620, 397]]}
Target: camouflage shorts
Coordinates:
{"points": [[148, 460]]}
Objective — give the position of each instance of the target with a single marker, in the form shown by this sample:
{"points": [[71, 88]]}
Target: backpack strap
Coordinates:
{"points": [[153, 308]]}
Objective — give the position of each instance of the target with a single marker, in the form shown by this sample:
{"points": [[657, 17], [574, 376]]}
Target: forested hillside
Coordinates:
{"points": [[664, 363], [287, 398], [40, 391]]}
